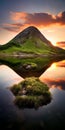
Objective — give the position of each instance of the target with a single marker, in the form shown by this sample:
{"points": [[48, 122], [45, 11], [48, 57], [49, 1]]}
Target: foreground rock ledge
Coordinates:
{"points": [[31, 93]]}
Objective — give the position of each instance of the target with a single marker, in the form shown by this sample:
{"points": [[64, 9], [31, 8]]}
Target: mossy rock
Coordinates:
{"points": [[30, 65], [31, 93]]}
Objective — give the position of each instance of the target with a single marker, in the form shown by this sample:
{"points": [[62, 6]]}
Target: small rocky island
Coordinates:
{"points": [[31, 93]]}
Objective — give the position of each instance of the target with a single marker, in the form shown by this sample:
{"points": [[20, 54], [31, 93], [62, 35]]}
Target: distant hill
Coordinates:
{"points": [[30, 40]]}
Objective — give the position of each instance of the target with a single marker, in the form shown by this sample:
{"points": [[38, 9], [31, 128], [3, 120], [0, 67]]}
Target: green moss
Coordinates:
{"points": [[34, 86], [31, 93], [15, 89], [31, 101], [35, 46]]}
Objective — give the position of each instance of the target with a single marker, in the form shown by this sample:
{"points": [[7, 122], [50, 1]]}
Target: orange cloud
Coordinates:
{"points": [[33, 18], [15, 27], [23, 20], [61, 44], [60, 18], [17, 15], [0, 28]]}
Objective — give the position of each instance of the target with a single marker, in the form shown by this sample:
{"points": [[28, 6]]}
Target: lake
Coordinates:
{"points": [[47, 117]]}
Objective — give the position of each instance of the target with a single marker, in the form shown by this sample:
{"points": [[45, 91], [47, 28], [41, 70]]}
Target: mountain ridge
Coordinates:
{"points": [[31, 31], [30, 40]]}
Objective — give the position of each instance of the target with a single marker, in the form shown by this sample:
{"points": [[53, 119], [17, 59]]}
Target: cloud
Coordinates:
{"points": [[0, 27], [60, 18], [23, 19], [61, 44], [15, 27], [37, 19], [18, 15]]}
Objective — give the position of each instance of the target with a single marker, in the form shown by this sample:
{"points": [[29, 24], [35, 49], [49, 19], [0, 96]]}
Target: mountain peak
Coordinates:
{"points": [[30, 32], [31, 28]]}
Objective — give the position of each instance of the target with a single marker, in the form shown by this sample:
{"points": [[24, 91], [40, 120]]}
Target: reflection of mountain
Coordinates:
{"points": [[29, 41], [55, 75], [27, 66]]}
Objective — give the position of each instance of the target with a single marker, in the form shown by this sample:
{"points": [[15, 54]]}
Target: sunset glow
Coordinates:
{"points": [[49, 18]]}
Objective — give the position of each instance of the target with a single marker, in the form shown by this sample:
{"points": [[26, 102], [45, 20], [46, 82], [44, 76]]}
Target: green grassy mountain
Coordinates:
{"points": [[30, 40]]}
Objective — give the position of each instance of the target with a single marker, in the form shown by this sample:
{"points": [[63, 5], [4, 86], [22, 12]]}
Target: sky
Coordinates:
{"points": [[47, 15]]}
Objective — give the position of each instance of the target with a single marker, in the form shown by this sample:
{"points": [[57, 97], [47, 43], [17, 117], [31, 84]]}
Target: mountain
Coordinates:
{"points": [[31, 33], [30, 40]]}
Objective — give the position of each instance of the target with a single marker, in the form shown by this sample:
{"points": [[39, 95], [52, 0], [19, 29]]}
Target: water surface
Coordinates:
{"points": [[50, 116]]}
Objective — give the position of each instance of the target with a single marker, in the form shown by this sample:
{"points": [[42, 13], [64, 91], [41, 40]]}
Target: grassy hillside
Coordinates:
{"points": [[29, 47], [30, 41]]}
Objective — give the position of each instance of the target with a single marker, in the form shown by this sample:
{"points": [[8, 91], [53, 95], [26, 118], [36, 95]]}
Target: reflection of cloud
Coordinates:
{"points": [[54, 76], [35, 19], [61, 64], [54, 83]]}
